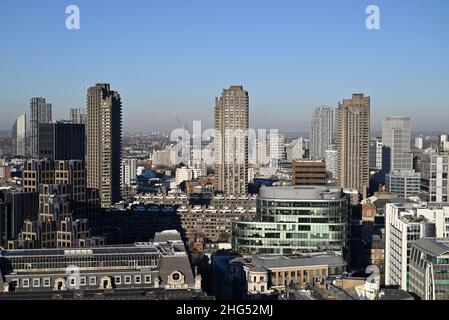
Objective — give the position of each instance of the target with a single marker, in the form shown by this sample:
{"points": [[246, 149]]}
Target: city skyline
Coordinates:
{"points": [[285, 65]]}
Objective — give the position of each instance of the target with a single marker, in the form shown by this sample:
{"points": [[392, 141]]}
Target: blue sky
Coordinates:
{"points": [[168, 56]]}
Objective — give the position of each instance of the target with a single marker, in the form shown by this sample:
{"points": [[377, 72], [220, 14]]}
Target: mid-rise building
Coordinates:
{"points": [[231, 140], [404, 224], [129, 171], [352, 141], [375, 154], [309, 172], [104, 143], [434, 173], [321, 132], [404, 183], [429, 268], [294, 219]]}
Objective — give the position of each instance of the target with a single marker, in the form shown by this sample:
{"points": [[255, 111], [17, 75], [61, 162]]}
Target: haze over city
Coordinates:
{"points": [[177, 56]]}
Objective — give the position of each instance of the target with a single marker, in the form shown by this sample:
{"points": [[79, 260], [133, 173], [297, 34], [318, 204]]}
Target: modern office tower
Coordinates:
{"points": [[276, 146], [419, 143], [375, 154], [332, 161], [62, 141], [322, 132], [231, 140], [404, 224], [129, 171], [352, 137], [429, 268], [40, 112], [78, 116], [396, 141], [404, 183], [434, 173], [309, 173], [295, 149], [18, 135], [294, 219], [104, 143]]}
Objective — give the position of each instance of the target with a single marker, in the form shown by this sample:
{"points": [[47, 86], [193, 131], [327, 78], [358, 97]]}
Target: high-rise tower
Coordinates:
{"points": [[353, 135], [104, 143], [231, 140]]}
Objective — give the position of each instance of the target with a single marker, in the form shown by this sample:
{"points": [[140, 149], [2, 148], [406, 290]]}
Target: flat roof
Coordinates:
{"points": [[300, 193]]}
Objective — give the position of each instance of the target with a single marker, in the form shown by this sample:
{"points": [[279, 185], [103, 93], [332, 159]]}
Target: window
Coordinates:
{"points": [[137, 279], [83, 281], [92, 281], [15, 283], [36, 282], [118, 279], [147, 279], [127, 279], [25, 283], [176, 276]]}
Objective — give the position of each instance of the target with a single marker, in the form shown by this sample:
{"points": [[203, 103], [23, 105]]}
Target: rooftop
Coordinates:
{"points": [[433, 246], [300, 193]]}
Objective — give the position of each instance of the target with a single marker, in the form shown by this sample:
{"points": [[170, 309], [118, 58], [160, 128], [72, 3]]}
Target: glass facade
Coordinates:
{"points": [[290, 226]]}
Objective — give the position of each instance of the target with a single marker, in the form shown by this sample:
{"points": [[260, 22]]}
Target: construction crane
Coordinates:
{"points": [[182, 124]]}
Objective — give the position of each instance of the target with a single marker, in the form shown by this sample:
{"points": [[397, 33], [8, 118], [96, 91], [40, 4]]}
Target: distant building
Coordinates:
{"points": [[375, 154], [18, 135], [129, 171], [309, 172], [429, 268], [285, 223], [276, 147], [295, 149], [321, 132], [419, 143], [78, 115], [332, 161], [40, 112]]}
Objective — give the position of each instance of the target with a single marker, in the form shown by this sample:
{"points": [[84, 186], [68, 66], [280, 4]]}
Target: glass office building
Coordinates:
{"points": [[294, 219]]}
